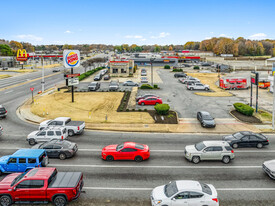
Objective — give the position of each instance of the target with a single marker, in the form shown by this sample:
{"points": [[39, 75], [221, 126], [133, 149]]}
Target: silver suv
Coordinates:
{"points": [[198, 86], [209, 150]]}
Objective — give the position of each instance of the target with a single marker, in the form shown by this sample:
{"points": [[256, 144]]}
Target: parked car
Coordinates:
{"points": [[23, 160], [3, 112], [205, 64], [93, 86], [5, 68], [143, 73], [62, 149], [246, 139], [130, 83], [143, 70], [188, 79], [143, 80], [1, 130], [47, 134], [73, 127], [113, 86], [177, 75], [145, 96], [150, 101], [56, 70], [209, 150], [103, 72], [206, 119], [186, 65], [41, 185], [98, 77], [107, 77], [269, 168], [198, 86], [185, 192], [126, 151]]}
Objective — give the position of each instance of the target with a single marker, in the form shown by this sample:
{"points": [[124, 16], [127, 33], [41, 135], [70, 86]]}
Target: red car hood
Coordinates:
{"points": [[6, 182], [110, 148]]}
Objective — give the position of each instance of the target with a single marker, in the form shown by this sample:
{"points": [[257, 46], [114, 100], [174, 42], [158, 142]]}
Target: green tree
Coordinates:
{"points": [[5, 50]]}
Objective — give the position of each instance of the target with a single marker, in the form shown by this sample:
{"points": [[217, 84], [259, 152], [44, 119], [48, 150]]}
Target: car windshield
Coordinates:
{"points": [[93, 84], [119, 147], [207, 117], [199, 146], [113, 83], [170, 189], [206, 189], [18, 178], [238, 135]]}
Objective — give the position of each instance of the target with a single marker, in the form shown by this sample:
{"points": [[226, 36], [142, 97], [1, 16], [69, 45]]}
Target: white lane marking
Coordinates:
{"points": [[33, 83], [145, 189], [8, 91], [157, 166]]}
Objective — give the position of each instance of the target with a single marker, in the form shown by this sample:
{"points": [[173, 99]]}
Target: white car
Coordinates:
{"points": [[47, 134], [1, 130], [269, 168], [198, 86], [185, 192]]}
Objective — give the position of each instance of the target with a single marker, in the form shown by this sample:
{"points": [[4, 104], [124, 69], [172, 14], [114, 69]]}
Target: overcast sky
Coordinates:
{"points": [[140, 22]]}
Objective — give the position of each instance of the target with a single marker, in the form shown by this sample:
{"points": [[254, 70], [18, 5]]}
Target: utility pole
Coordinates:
{"points": [[273, 112], [72, 71], [43, 82]]}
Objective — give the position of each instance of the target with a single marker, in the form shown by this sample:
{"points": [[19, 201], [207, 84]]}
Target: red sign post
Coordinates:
{"points": [[32, 88], [73, 75]]}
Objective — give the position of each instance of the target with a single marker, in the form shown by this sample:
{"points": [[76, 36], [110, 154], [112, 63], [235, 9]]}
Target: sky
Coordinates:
{"points": [[134, 21]]}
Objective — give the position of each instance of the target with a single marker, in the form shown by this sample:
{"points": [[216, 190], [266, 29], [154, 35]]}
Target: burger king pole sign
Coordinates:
{"points": [[71, 59]]}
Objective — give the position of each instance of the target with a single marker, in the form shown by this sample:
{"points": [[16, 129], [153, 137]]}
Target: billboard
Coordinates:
{"points": [[71, 58], [21, 55]]}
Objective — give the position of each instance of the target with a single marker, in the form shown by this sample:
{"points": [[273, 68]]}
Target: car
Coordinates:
{"points": [[269, 168], [185, 81], [61, 149], [47, 134], [185, 192], [177, 75], [41, 185], [186, 65], [143, 73], [206, 119], [5, 68], [98, 77], [143, 70], [56, 70], [107, 77], [103, 72], [198, 86], [73, 127], [23, 160], [205, 64], [246, 139], [150, 101], [3, 112], [113, 86], [209, 150], [93, 86], [143, 80], [1, 130], [126, 151], [130, 83], [145, 96]]}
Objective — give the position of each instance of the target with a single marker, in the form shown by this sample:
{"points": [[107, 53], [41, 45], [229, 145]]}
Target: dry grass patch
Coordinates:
{"points": [[3, 76], [21, 70], [210, 79], [89, 107], [49, 66]]}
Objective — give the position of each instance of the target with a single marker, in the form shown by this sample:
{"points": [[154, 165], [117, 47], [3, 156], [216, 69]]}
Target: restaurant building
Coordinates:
{"points": [[121, 68]]}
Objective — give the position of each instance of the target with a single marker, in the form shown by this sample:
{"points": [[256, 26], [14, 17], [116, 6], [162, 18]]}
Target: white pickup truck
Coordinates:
{"points": [[73, 127]]}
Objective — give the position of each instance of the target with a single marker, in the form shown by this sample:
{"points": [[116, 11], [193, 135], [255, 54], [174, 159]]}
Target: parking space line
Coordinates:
{"points": [[8, 91]]}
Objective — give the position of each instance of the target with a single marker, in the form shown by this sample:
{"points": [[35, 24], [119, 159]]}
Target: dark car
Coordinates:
{"points": [[56, 70], [98, 77], [205, 64], [3, 112], [206, 119], [61, 149], [145, 96], [246, 139], [107, 77], [177, 75], [93, 86]]}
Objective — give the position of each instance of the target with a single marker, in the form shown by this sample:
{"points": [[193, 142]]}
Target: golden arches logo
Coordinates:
{"points": [[22, 55]]}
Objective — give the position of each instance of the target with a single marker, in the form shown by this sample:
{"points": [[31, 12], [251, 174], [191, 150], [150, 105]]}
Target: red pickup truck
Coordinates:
{"points": [[41, 185]]}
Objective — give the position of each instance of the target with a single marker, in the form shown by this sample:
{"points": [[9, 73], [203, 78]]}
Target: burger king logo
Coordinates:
{"points": [[72, 59]]}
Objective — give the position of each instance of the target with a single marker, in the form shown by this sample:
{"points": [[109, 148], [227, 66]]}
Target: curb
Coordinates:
{"points": [[230, 112]]}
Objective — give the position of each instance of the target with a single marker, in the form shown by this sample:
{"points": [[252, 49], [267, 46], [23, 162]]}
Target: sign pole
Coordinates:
{"points": [[72, 71], [251, 93], [32, 96], [273, 112]]}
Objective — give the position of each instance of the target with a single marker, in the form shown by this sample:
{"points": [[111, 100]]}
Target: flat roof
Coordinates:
{"points": [[28, 153]]}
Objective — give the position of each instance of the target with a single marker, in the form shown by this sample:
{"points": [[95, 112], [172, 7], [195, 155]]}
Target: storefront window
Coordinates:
{"points": [[115, 71], [123, 70]]}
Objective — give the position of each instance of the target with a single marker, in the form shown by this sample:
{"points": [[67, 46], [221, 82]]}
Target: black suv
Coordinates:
{"points": [[3, 112], [177, 75]]}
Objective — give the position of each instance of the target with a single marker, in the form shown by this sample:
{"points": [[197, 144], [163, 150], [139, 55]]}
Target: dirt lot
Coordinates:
{"points": [[88, 107]]}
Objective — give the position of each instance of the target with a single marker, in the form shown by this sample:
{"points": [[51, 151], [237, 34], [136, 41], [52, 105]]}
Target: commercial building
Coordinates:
{"points": [[156, 61], [7, 62], [121, 68]]}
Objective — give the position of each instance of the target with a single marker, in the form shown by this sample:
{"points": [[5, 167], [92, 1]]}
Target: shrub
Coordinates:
{"points": [[156, 86], [139, 109], [146, 86], [89, 73], [133, 109], [244, 109], [177, 70], [196, 67], [127, 110], [162, 109], [145, 110], [166, 67]]}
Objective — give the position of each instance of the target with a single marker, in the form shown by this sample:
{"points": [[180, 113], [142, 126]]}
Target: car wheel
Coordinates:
{"points": [[45, 161], [60, 201], [259, 145], [191, 88], [156, 103], [32, 142], [138, 159], [71, 133], [62, 156], [206, 88], [226, 159], [196, 159], [235, 145], [142, 103], [5, 200], [110, 158]]}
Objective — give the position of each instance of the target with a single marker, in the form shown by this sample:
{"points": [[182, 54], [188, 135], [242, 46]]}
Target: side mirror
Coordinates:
{"points": [[204, 151], [174, 199], [14, 189]]}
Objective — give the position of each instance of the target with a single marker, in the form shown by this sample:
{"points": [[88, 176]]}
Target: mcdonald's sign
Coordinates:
{"points": [[21, 55]]}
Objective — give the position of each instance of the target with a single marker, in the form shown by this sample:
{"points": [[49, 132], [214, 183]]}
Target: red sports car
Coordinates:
{"points": [[126, 151], [150, 101]]}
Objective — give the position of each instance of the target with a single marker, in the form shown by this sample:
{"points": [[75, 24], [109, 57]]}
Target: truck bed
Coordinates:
{"points": [[75, 123], [66, 180]]}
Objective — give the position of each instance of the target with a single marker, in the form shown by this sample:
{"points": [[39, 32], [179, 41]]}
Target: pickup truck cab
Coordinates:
{"points": [[47, 134], [198, 86], [73, 127], [41, 185], [23, 160]]}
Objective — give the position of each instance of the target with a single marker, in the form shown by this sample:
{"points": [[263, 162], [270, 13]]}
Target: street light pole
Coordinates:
{"points": [[42, 61], [152, 75]]}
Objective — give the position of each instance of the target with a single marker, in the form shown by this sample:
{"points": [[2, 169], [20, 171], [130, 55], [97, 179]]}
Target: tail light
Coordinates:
{"points": [[62, 137], [215, 199], [267, 140], [74, 192], [232, 151], [78, 128], [6, 111]]}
